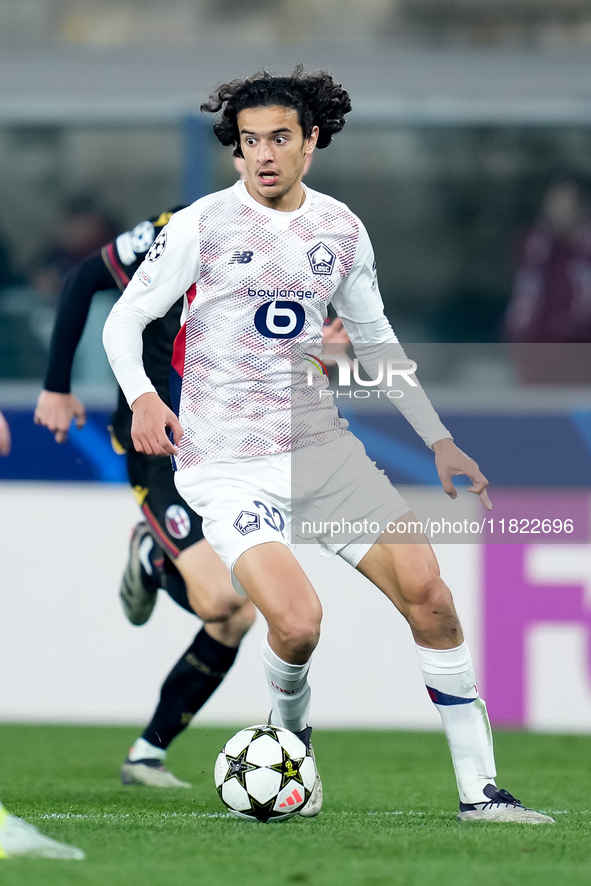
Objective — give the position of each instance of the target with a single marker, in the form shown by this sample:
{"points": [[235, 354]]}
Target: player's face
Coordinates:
{"points": [[275, 152]]}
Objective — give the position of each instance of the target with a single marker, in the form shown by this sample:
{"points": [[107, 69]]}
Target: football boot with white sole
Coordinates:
{"points": [[18, 838], [501, 806], [142, 577], [314, 804], [150, 772]]}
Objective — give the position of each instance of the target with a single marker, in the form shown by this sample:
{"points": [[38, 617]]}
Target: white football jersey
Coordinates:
{"points": [[257, 283]]}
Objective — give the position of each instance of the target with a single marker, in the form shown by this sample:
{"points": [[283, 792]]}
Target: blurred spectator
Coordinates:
{"points": [[27, 310], [7, 275], [17, 343], [551, 300], [84, 228]]}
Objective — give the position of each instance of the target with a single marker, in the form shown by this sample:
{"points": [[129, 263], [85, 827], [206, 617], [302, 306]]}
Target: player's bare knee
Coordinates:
{"points": [[433, 618], [210, 608], [426, 591], [297, 638], [231, 630]]}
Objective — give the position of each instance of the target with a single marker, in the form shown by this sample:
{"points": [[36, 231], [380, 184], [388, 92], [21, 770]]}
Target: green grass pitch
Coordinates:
{"points": [[389, 815]]}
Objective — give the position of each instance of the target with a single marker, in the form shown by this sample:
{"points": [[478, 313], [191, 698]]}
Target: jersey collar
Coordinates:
{"points": [[276, 214]]}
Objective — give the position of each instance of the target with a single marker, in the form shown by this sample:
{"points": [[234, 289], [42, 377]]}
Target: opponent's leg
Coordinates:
{"points": [[195, 578], [408, 574], [200, 670], [190, 683]]}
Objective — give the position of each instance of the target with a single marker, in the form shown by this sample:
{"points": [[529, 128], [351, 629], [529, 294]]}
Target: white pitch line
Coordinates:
{"points": [[120, 816]]}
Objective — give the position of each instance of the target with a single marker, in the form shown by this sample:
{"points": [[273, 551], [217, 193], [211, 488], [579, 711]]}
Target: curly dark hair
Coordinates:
{"points": [[318, 100]]}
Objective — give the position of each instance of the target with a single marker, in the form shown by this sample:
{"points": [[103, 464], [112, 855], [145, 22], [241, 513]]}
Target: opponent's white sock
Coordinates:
{"points": [[451, 684], [289, 689], [143, 750]]}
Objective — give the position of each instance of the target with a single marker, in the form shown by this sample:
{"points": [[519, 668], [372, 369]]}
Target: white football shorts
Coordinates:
{"points": [[332, 495]]}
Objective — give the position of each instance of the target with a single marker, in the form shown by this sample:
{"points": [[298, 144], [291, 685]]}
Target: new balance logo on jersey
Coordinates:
{"points": [[241, 258], [321, 259]]}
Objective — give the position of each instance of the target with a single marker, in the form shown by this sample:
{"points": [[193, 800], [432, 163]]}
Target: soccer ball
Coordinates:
{"points": [[264, 773]]}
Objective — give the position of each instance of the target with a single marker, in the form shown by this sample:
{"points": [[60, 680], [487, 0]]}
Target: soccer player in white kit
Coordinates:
{"points": [[255, 447]]}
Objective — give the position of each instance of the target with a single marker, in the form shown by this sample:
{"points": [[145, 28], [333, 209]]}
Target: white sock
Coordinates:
{"points": [[289, 690], [143, 750], [449, 677]]}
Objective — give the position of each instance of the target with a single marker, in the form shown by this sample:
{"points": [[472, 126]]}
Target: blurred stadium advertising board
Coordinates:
{"points": [[537, 450], [522, 585]]}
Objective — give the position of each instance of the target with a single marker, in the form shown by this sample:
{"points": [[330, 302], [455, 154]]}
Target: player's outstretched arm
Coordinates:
{"points": [[151, 418], [56, 411], [452, 462], [5, 441]]}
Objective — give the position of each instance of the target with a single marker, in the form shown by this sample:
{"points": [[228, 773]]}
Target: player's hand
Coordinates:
{"points": [[151, 418], [452, 462], [334, 333], [5, 441], [56, 411]]}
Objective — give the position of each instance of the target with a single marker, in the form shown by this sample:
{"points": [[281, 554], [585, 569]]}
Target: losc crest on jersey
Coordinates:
{"points": [[321, 259], [157, 247]]}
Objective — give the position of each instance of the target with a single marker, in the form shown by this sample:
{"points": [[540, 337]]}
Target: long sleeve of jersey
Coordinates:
{"points": [[81, 283], [359, 305], [170, 268]]}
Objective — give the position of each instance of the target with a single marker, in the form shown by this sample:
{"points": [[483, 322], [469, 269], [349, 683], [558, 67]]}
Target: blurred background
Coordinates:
{"points": [[468, 157], [464, 113]]}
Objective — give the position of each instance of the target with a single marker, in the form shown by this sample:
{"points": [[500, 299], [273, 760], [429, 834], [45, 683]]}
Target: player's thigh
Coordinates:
{"points": [[238, 514], [245, 508], [175, 526], [280, 589]]}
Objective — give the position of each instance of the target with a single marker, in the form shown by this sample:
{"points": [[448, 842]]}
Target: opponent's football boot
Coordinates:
{"points": [[142, 578], [501, 806], [19, 838], [314, 804], [150, 772]]}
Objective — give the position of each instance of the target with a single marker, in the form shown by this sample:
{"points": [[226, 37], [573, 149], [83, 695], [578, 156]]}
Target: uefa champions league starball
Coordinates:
{"points": [[264, 773]]}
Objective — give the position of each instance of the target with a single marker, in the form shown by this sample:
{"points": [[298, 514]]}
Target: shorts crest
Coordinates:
{"points": [[247, 522]]}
